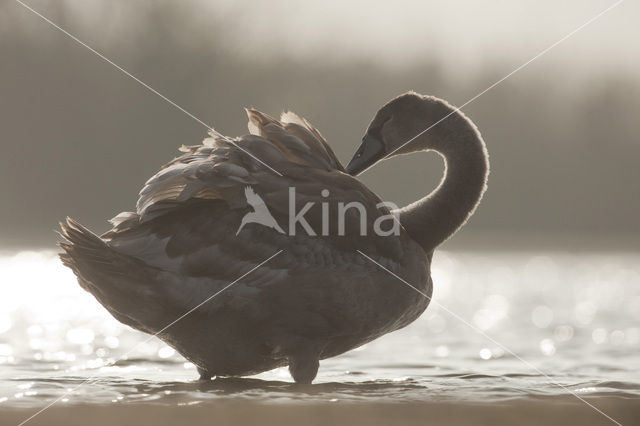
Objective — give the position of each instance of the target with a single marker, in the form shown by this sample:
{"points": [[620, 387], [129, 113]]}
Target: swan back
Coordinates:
{"points": [[222, 167]]}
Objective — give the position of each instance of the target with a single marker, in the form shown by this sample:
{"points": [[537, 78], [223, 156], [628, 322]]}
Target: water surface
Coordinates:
{"points": [[572, 322]]}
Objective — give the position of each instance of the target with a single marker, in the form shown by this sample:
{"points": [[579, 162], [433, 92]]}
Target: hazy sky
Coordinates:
{"points": [[463, 34]]}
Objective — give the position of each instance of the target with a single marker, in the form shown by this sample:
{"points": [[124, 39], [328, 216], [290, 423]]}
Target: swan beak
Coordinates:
{"points": [[370, 151]]}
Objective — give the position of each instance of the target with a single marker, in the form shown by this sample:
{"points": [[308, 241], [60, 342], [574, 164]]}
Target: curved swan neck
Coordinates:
{"points": [[433, 219]]}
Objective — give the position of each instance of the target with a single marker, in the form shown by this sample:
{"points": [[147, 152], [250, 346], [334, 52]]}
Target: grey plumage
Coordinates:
{"points": [[318, 299]]}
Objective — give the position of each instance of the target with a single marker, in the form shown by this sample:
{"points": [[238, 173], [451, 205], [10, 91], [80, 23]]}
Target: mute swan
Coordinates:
{"points": [[316, 297]]}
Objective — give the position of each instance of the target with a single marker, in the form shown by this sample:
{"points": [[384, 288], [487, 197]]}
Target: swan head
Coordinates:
{"points": [[395, 126]]}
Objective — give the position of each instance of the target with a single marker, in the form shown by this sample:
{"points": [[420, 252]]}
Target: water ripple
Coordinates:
{"points": [[566, 315]]}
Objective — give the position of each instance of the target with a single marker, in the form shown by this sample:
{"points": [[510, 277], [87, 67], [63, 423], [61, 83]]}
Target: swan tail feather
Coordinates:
{"points": [[118, 281], [83, 249]]}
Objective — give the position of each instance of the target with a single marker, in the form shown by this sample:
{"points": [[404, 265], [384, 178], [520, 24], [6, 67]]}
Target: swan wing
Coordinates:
{"points": [[301, 128], [218, 168], [196, 240], [168, 232], [299, 140]]}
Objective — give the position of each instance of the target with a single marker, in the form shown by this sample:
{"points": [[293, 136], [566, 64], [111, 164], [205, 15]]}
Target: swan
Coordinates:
{"points": [[236, 297]]}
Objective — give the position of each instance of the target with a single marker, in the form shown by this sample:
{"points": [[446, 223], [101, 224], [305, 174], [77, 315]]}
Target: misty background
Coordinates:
{"points": [[80, 138]]}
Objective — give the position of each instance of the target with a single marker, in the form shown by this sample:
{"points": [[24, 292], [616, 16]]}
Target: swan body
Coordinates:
{"points": [[186, 241]]}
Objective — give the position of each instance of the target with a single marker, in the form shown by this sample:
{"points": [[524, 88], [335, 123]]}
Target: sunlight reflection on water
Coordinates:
{"points": [[573, 316]]}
